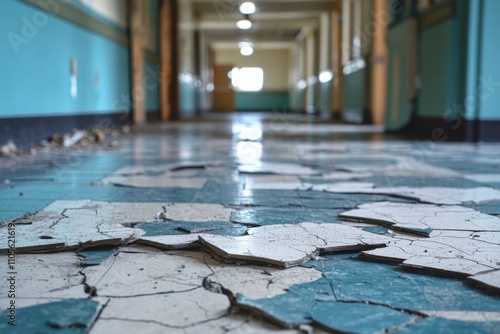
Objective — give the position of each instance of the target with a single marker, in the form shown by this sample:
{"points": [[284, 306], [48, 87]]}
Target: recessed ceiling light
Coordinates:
{"points": [[244, 24], [246, 51], [247, 8], [242, 44], [325, 76]]}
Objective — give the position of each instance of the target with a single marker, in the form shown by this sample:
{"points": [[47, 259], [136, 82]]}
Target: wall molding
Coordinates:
{"points": [[68, 12], [437, 14]]}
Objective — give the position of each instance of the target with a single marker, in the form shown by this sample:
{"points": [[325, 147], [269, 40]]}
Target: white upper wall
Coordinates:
{"points": [[274, 63], [114, 10]]}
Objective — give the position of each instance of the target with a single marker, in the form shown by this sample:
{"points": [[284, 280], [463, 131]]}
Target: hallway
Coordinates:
{"points": [[252, 223]]}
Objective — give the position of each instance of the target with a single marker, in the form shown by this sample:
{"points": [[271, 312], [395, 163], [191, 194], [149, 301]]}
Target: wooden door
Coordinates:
{"points": [[223, 92]]}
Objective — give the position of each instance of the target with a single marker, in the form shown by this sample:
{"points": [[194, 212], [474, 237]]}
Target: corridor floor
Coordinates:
{"points": [[252, 223]]}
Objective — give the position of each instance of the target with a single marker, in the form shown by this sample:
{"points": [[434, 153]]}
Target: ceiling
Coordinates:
{"points": [[274, 21]]}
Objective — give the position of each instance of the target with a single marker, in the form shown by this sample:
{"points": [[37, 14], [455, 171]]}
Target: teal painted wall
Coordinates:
{"points": [[36, 66], [299, 100], [489, 80], [188, 95], [262, 100], [439, 69], [152, 86], [326, 96], [354, 90], [312, 96], [398, 110]]}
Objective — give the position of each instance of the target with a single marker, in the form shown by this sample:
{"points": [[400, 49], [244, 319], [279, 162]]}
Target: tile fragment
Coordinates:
{"points": [[359, 317], [69, 315], [456, 253], [441, 325], [432, 195], [489, 281], [288, 245], [277, 168], [423, 218]]}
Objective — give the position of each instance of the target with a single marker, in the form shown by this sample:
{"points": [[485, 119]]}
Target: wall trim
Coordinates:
{"points": [[26, 131], [437, 14], [74, 15]]}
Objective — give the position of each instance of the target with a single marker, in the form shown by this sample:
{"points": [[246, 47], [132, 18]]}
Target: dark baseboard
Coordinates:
{"points": [[26, 131], [440, 130], [488, 130]]}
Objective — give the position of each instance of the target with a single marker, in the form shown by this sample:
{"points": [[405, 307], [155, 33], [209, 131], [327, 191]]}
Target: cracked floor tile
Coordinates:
{"points": [[230, 324], [66, 316], [71, 229], [85, 224], [488, 281], [277, 168], [165, 290], [289, 245], [423, 218], [484, 178], [440, 325], [168, 235], [95, 257], [455, 253], [359, 317], [275, 216], [432, 195], [44, 276], [157, 181], [269, 182]]}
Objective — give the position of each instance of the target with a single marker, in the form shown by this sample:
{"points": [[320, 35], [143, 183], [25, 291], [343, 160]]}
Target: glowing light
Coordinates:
{"points": [[325, 76], [302, 84], [244, 24], [247, 8], [246, 51]]}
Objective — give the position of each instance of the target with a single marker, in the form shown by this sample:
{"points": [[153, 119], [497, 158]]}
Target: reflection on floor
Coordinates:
{"points": [[252, 224]]}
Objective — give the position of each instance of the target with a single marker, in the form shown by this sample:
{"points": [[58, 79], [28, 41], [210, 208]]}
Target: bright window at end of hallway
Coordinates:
{"points": [[247, 79]]}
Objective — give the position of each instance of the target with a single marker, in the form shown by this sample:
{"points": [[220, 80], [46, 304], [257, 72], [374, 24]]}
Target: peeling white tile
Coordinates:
{"points": [[167, 242], [277, 168], [74, 228], [255, 282], [489, 280], [289, 245], [230, 324], [44, 276], [433, 195], [342, 176], [423, 218], [483, 178], [124, 212], [179, 310], [158, 181], [189, 167], [133, 274], [277, 182], [83, 224], [450, 252]]}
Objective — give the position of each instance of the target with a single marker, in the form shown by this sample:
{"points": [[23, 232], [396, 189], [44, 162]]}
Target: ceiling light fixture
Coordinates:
{"points": [[247, 8], [246, 51], [244, 24]]}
